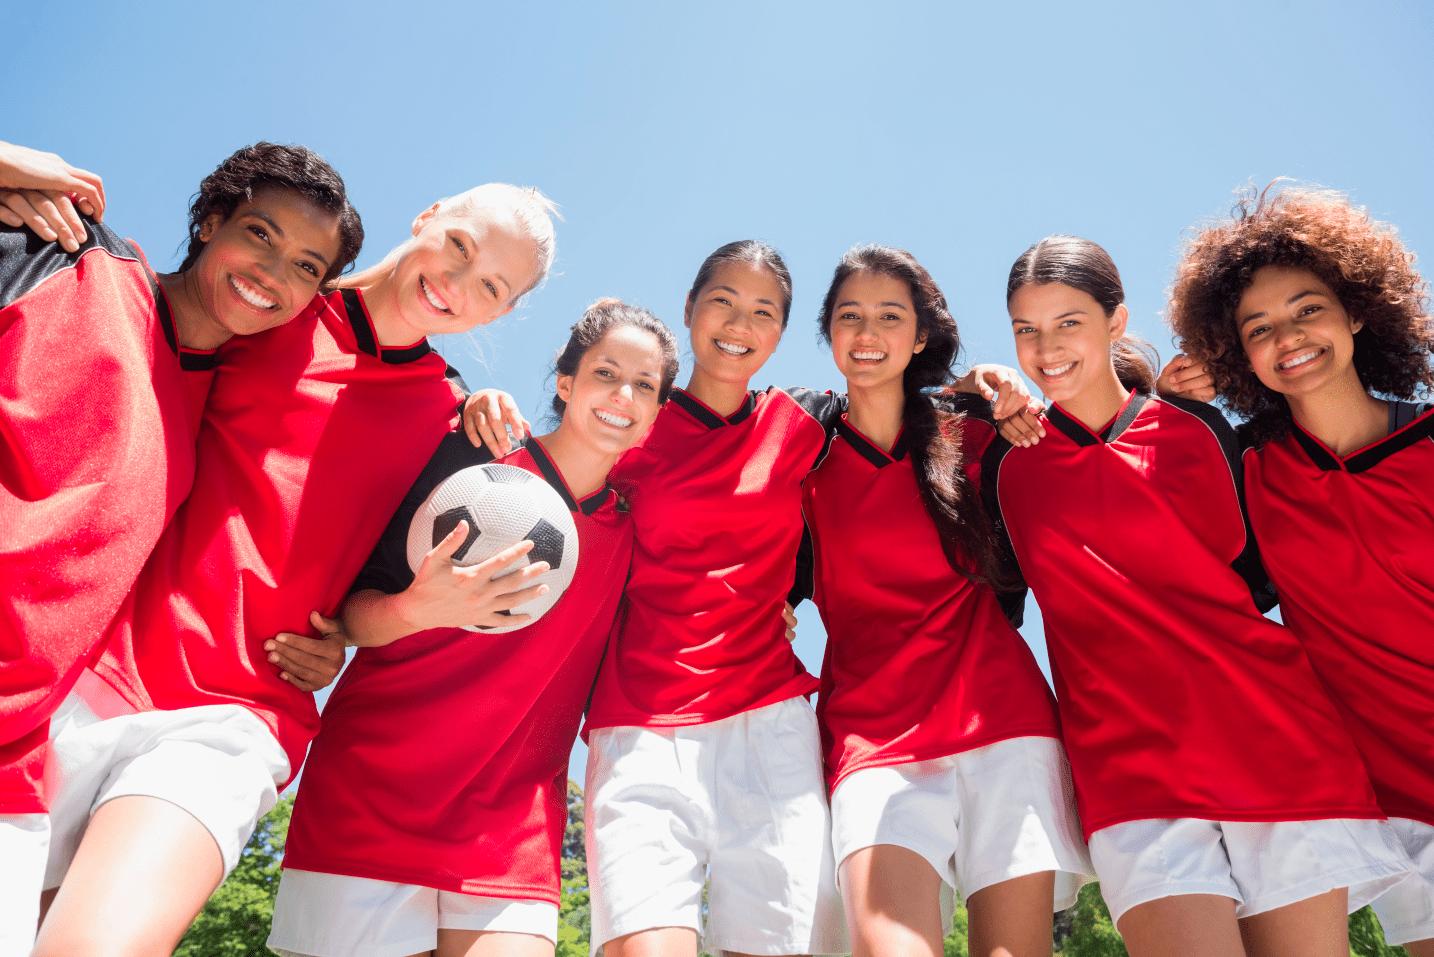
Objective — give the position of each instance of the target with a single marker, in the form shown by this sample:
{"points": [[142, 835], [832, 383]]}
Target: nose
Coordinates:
{"points": [[623, 394], [1288, 333]]}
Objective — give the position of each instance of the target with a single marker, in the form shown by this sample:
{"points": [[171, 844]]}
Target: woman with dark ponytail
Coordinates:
{"points": [[1225, 803], [940, 736]]}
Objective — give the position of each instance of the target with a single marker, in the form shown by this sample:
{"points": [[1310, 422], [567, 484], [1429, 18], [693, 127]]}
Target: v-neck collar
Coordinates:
{"points": [[1077, 431], [704, 413], [588, 504], [1362, 460], [367, 338], [868, 449]]}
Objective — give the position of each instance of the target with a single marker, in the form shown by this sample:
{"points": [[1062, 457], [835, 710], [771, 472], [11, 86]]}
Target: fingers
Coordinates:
{"points": [[18, 202], [789, 616], [62, 218], [307, 663], [484, 423], [325, 626], [511, 417], [1008, 402], [1023, 429], [489, 569], [90, 192], [7, 215], [442, 553]]}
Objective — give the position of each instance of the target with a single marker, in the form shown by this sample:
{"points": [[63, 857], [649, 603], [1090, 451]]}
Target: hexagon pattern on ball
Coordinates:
{"points": [[502, 504]]}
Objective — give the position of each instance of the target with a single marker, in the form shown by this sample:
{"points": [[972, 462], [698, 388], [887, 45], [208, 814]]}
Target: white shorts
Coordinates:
{"points": [[1261, 866], [24, 840], [219, 762], [332, 915], [1406, 911], [978, 818], [742, 798]]}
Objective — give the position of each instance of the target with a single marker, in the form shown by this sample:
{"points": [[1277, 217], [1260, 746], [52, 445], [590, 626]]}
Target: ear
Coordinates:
{"points": [[565, 388], [920, 344], [211, 223], [423, 218], [1118, 321], [687, 312], [1355, 325]]}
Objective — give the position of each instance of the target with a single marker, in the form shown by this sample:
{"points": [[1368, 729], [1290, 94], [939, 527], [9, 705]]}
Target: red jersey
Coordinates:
{"points": [[312, 435], [1177, 697], [443, 760], [920, 662], [1349, 542], [716, 503], [96, 452]]}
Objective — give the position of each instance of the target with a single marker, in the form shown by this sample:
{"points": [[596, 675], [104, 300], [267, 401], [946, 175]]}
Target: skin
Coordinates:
{"points": [[42, 191], [1063, 340], [1300, 342], [874, 335]]}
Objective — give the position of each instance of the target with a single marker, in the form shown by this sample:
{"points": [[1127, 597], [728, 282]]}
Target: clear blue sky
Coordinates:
{"points": [[962, 132]]}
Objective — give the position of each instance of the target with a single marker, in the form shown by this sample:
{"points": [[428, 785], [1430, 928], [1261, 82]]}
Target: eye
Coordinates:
{"points": [[260, 231], [463, 250], [1256, 331], [722, 299], [647, 385], [1024, 329], [848, 317], [492, 290], [890, 317], [605, 373], [310, 268], [1069, 322], [1311, 309]]}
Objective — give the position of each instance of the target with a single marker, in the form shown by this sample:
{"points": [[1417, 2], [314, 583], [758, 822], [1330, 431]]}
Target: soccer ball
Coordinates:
{"points": [[503, 505]]}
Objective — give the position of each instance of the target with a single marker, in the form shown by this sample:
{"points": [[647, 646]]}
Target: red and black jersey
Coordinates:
{"points": [[717, 507], [443, 760], [920, 661], [1177, 697], [1349, 543], [312, 435], [96, 452]]}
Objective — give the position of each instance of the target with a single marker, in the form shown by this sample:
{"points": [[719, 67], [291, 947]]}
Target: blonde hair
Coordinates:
{"points": [[530, 208]]}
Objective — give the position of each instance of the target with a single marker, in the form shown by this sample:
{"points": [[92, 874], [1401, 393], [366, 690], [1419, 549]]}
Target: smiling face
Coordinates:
{"points": [[1063, 339], [458, 272], [263, 264], [874, 330], [612, 399], [1295, 331], [736, 321]]}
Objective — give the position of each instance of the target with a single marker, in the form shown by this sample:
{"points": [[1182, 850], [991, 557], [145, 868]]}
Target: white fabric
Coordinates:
{"points": [[742, 798], [24, 840], [1406, 911], [332, 915], [219, 762], [1261, 866], [978, 818]]}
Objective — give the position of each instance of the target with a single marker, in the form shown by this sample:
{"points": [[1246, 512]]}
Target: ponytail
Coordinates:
{"points": [[1135, 362]]}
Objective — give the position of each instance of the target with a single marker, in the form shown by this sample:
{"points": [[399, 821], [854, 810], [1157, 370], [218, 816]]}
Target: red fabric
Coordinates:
{"points": [[443, 760], [920, 663], [1352, 556], [308, 445], [96, 452], [717, 509], [1177, 697]]}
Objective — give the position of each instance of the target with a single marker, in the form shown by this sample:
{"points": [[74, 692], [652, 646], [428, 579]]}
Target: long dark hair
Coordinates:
{"points": [[603, 317], [933, 436], [1084, 265], [284, 167], [754, 252]]}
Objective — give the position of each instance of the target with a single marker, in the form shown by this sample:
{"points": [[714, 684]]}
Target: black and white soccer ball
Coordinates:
{"points": [[503, 505]]}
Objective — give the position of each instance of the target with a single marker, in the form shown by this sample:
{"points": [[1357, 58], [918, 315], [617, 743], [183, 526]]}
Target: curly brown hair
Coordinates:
{"points": [[1360, 259]]}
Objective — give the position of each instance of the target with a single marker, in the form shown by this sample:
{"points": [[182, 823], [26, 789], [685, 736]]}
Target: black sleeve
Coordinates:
{"points": [[1013, 602], [1232, 445], [387, 568], [26, 260], [804, 582]]}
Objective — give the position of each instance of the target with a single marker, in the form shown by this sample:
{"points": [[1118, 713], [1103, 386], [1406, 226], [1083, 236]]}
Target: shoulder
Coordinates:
{"points": [[26, 261], [825, 407]]}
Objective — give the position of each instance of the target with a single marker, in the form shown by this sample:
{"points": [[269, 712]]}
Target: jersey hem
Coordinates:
{"points": [[473, 887], [22, 802], [1274, 816], [937, 751], [789, 689]]}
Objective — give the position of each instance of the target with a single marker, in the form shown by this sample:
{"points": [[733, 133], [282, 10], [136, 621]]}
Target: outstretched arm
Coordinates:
{"points": [[40, 190]]}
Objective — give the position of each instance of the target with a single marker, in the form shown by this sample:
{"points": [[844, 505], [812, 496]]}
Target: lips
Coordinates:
{"points": [[434, 300], [867, 355], [1299, 359], [613, 419], [1055, 372], [731, 348], [250, 294]]}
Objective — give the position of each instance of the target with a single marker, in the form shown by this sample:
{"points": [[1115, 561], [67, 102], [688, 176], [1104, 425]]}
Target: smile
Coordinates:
{"points": [[613, 419], [250, 295], [1052, 372], [867, 355], [433, 298], [731, 348], [1298, 360]]}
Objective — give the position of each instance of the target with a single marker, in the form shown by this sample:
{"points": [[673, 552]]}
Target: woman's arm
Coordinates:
{"points": [[42, 191]]}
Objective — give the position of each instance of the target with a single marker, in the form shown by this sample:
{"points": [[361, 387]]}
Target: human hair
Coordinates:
{"points": [[530, 208], [1360, 259], [751, 251], [271, 165], [603, 317], [1084, 265], [933, 436]]}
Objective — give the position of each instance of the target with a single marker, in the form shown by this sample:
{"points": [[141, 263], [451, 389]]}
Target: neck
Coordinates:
{"points": [[877, 412], [721, 397], [1342, 415], [193, 326], [380, 298], [1098, 402], [584, 468]]}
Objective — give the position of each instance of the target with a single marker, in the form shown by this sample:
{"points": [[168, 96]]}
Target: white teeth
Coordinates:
{"points": [[620, 421], [731, 348], [433, 299], [1058, 370], [249, 294], [1298, 360], [868, 354]]}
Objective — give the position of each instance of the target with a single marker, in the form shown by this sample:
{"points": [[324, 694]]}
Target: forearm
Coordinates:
{"points": [[373, 618]]}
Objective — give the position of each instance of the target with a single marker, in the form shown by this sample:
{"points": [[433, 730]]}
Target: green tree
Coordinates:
{"points": [[1366, 937], [575, 912], [235, 922], [958, 942], [1092, 932]]}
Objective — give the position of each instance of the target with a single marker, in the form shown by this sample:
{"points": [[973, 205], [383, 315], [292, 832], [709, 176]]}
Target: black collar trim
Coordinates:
{"points": [[1127, 415], [1076, 431], [709, 418], [166, 318], [588, 505], [868, 449], [1363, 461], [368, 341], [198, 361]]}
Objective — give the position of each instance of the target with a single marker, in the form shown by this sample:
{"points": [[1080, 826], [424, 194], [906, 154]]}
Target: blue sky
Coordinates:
{"points": [[962, 132]]}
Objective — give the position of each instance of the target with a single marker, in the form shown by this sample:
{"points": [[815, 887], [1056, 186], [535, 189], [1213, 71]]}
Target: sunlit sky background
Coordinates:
{"points": [[962, 132]]}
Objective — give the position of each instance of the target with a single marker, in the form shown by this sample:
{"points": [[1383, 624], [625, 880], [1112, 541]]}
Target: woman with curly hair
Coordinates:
{"points": [[1315, 325]]}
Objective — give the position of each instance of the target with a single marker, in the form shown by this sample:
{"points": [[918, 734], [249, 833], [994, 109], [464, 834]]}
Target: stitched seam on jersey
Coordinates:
{"points": [[995, 486], [91, 245]]}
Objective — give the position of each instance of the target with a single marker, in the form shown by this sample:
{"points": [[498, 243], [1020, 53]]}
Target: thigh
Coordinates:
{"points": [[1012, 917], [892, 897], [655, 942], [1139, 862], [1313, 927], [141, 875], [1187, 925], [453, 942]]}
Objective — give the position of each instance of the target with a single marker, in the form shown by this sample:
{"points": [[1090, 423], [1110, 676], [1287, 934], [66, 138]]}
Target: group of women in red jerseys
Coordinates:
{"points": [[1237, 785]]}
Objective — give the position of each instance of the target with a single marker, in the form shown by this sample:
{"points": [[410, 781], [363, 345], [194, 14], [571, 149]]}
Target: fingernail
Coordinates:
{"points": [[273, 659], [268, 646], [283, 639]]}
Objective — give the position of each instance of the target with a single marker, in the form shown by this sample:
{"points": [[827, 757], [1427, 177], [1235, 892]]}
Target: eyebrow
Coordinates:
{"points": [[1289, 302], [258, 214], [736, 293], [853, 302], [1072, 312], [603, 358]]}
